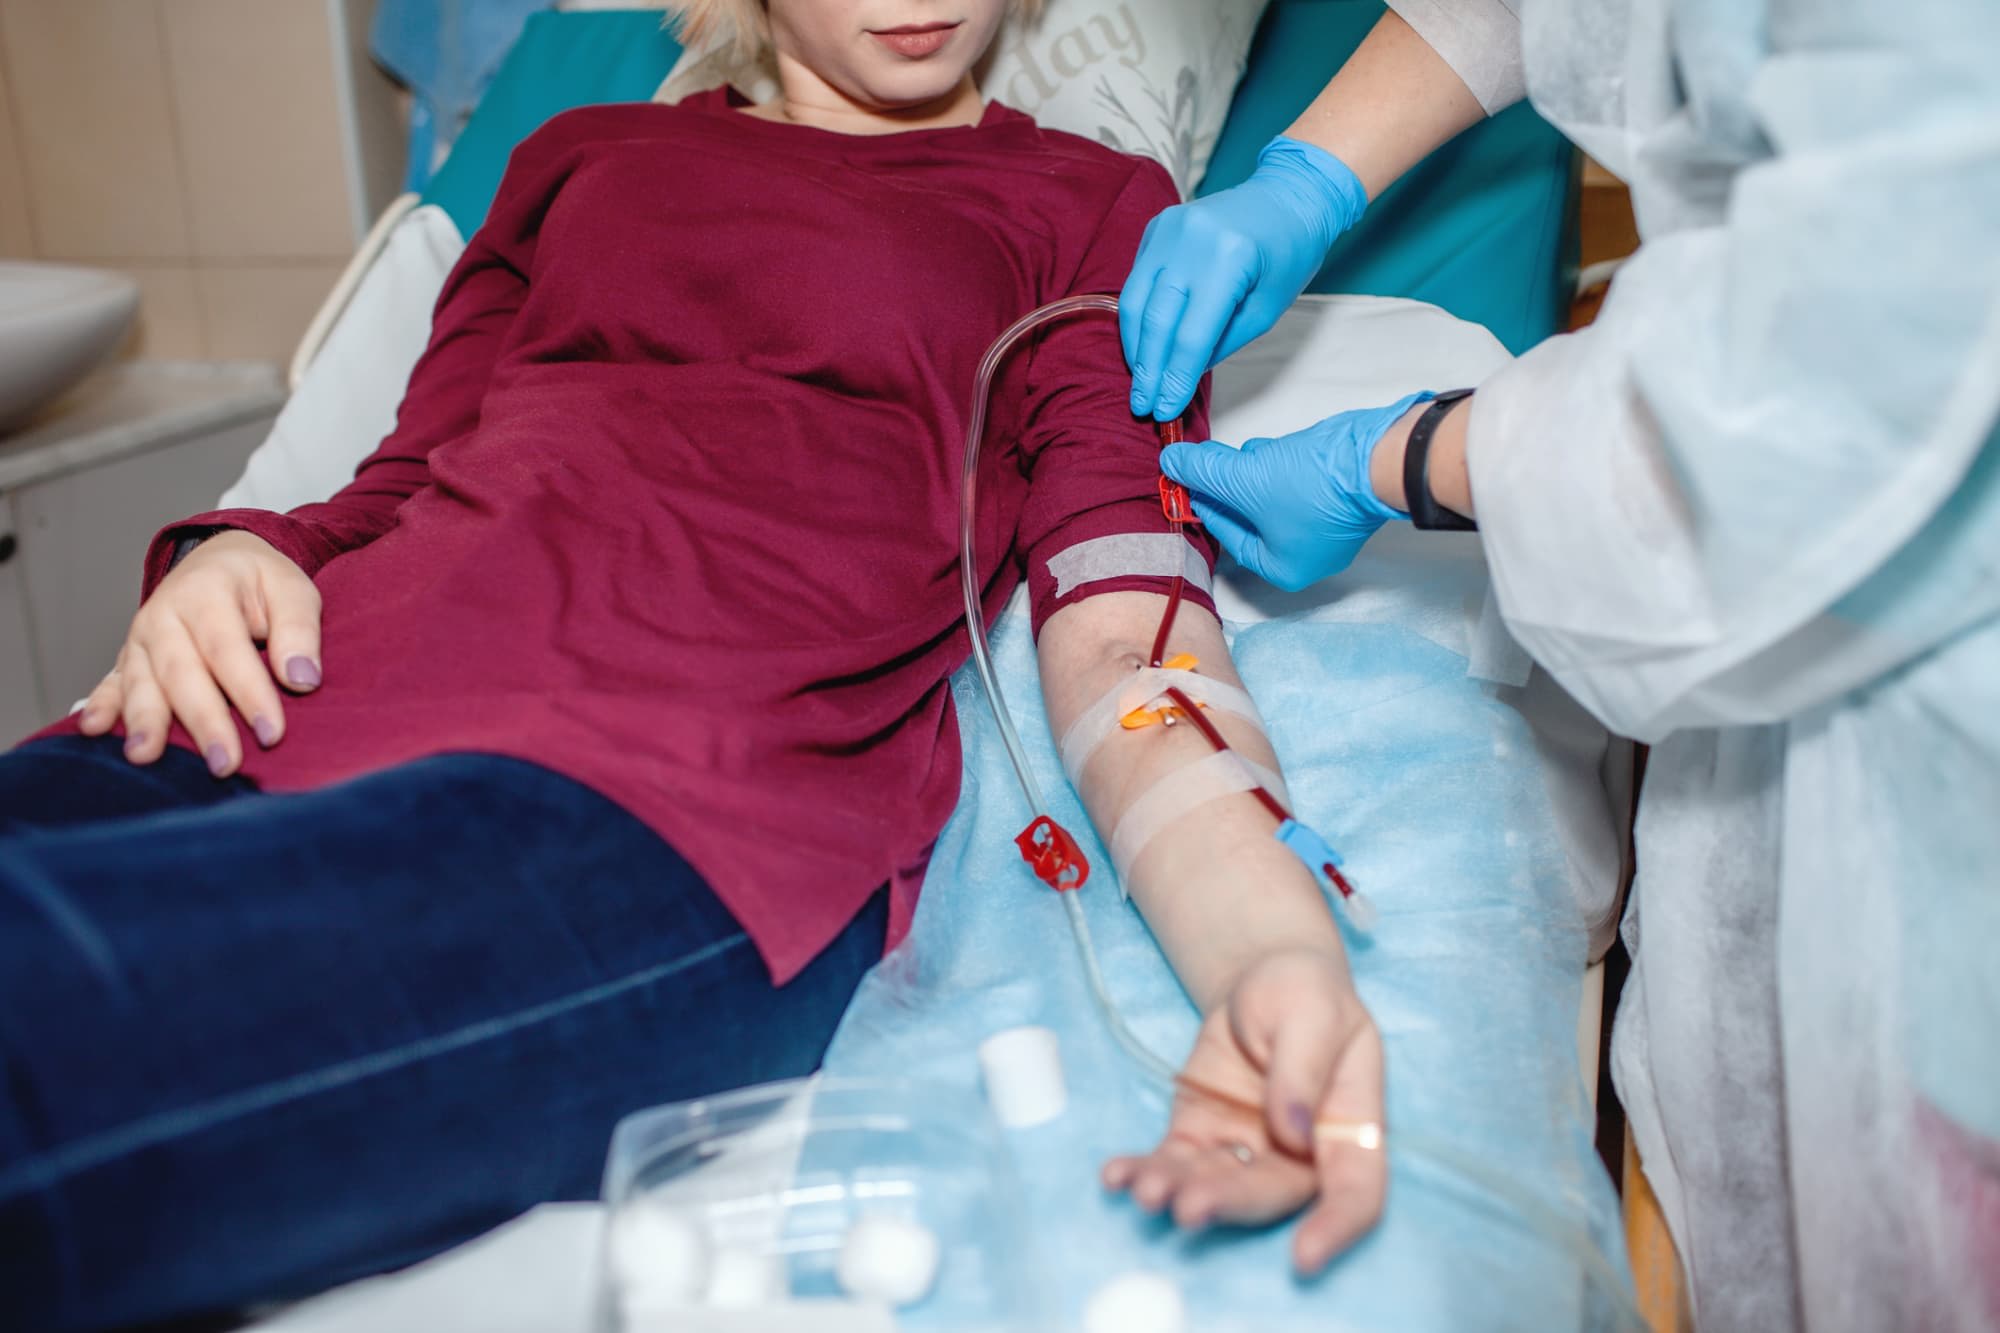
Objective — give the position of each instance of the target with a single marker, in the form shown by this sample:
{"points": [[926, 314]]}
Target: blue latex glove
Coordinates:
{"points": [[1295, 509], [1214, 274]]}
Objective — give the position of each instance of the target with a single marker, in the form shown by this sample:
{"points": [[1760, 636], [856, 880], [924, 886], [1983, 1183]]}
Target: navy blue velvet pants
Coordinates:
{"points": [[254, 1044]]}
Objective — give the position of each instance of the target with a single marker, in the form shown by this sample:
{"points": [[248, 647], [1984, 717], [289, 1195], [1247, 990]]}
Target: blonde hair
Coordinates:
{"points": [[741, 23]]}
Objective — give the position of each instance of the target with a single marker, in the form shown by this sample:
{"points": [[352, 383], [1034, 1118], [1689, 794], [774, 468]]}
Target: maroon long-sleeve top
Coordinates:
{"points": [[671, 503]]}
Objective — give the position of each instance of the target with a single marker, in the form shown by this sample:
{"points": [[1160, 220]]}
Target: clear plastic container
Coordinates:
{"points": [[774, 1176]]}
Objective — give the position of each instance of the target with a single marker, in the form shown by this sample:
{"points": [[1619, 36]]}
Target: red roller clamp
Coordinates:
{"points": [[1053, 854]]}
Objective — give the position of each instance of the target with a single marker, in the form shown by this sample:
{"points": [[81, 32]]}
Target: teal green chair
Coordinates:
{"points": [[560, 61]]}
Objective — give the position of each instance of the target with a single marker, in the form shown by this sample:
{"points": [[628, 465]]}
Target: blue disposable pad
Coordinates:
{"points": [[1430, 785]]}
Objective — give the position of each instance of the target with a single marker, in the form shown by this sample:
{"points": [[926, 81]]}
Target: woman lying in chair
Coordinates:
{"points": [[601, 725]]}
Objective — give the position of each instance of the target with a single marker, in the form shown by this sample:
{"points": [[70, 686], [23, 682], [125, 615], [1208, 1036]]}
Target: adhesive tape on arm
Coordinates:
{"points": [[1097, 722], [1169, 800]]}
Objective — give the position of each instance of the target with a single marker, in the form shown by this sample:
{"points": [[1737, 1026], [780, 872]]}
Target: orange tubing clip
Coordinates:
{"points": [[1052, 853]]}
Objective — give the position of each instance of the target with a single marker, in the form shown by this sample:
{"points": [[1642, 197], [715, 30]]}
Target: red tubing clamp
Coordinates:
{"points": [[1174, 502], [1053, 854]]}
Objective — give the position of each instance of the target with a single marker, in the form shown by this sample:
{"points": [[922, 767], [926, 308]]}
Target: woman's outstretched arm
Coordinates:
{"points": [[1249, 932], [1244, 924]]}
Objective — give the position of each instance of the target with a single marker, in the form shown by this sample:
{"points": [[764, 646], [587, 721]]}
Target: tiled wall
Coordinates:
{"points": [[195, 144]]}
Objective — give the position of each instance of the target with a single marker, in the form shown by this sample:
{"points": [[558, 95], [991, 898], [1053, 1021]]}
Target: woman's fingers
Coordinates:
{"points": [[1269, 1186], [105, 704], [232, 662], [292, 608], [1282, 1101], [191, 655], [1306, 1048], [1350, 1157], [1351, 1194], [1238, 1183], [191, 692], [1160, 1176], [147, 716]]}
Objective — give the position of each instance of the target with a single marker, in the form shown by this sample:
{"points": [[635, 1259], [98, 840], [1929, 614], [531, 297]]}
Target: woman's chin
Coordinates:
{"points": [[911, 92]]}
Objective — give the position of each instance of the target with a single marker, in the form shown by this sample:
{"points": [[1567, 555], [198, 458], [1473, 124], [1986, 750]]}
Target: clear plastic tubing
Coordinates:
{"points": [[968, 516], [982, 655], [1536, 1215]]}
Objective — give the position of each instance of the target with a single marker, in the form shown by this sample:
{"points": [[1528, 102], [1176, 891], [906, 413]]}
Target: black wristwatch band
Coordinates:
{"points": [[1425, 511], [185, 546]]}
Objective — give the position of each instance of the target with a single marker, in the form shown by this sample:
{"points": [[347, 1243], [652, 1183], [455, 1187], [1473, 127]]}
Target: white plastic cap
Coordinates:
{"points": [[658, 1254], [739, 1278], [1024, 1077], [888, 1259], [1136, 1303]]}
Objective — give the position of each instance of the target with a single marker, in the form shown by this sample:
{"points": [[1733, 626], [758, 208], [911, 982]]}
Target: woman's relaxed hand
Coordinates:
{"points": [[191, 653], [1298, 1066]]}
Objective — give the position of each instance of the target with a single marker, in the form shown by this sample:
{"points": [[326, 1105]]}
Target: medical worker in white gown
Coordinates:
{"points": [[1750, 515]]}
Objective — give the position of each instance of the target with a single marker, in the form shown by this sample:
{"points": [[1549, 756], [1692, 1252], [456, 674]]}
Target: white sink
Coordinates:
{"points": [[57, 324]]}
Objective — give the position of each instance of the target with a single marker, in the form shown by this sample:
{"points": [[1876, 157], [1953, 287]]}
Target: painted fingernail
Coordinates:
{"points": [[217, 757], [1301, 1117], [135, 741], [266, 729], [302, 672]]}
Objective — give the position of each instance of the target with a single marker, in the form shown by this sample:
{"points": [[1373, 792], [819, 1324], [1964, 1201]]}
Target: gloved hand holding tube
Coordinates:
{"points": [[1294, 509], [1215, 273]]}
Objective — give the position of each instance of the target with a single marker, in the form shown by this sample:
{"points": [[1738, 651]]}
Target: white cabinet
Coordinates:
{"points": [[83, 493]]}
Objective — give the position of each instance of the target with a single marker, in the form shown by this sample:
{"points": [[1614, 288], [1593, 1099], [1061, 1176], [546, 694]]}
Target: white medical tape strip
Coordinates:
{"points": [[1223, 773], [1138, 690], [1128, 555]]}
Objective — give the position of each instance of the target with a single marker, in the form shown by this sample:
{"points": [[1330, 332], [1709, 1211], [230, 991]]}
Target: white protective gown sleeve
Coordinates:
{"points": [[1753, 513], [1692, 507]]}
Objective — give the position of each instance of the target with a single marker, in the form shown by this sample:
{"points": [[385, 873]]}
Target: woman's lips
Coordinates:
{"points": [[917, 40]]}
